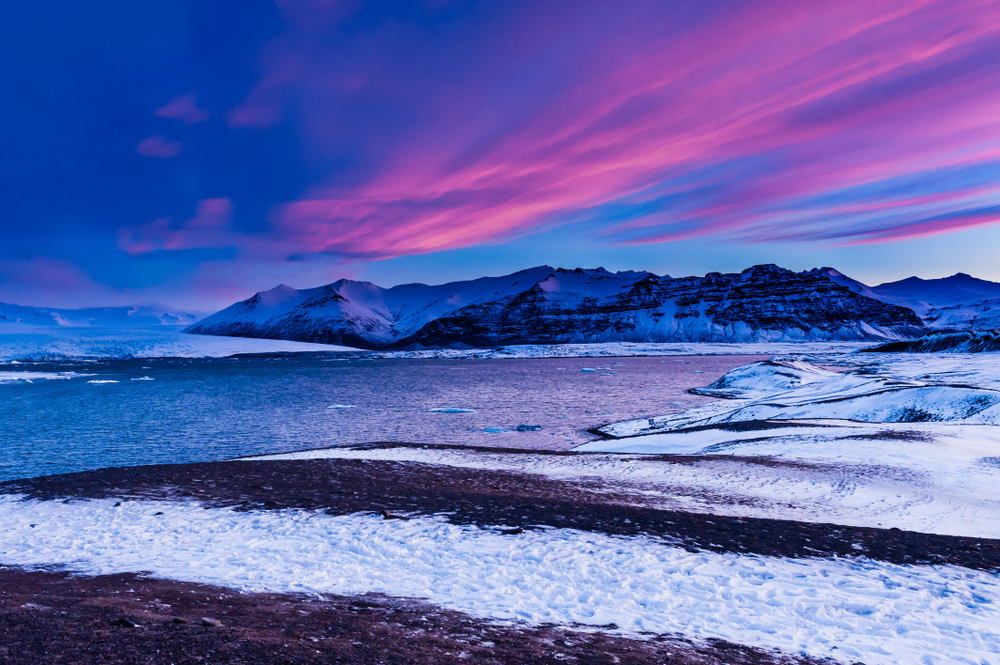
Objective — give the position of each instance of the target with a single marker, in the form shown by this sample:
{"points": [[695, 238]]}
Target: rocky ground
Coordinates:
{"points": [[53, 617]]}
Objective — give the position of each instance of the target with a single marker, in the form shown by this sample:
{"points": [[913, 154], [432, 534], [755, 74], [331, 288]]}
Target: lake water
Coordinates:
{"points": [[197, 410]]}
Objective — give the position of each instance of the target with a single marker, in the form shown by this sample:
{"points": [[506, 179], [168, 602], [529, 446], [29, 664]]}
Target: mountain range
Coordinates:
{"points": [[554, 305], [95, 317]]}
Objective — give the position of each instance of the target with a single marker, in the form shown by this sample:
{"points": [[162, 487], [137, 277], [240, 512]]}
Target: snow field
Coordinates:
{"points": [[915, 486], [845, 609]]}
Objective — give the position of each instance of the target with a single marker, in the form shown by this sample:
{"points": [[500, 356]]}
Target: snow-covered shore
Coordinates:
{"points": [[843, 609]]}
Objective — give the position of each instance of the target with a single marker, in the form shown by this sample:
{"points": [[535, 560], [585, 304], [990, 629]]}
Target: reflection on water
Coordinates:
{"points": [[213, 409]]}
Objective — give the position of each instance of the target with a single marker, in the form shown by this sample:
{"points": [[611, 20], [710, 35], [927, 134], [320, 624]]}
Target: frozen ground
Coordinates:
{"points": [[32, 343], [845, 609]]}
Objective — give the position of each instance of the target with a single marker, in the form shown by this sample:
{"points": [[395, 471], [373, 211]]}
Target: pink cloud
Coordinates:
{"points": [[184, 108], [797, 105], [157, 146], [209, 228]]}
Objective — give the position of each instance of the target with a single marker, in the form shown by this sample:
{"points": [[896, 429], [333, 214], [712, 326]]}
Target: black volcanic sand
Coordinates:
{"points": [[48, 617], [499, 499]]}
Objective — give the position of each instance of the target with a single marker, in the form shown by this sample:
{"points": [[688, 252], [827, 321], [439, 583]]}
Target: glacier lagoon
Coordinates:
{"points": [[60, 417]]}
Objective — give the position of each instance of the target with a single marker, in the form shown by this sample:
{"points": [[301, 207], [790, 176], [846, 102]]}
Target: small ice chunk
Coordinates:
{"points": [[341, 406], [143, 378], [528, 428], [451, 409], [588, 369], [697, 371], [102, 381], [494, 430]]}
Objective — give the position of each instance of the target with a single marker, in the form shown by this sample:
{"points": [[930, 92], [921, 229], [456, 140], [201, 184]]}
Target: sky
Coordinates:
{"points": [[192, 153]]}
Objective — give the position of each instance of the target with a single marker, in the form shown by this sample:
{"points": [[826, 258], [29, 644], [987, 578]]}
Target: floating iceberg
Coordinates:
{"points": [[102, 381], [341, 406]]}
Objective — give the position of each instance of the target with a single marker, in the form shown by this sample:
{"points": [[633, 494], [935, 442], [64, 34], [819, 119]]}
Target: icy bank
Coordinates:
{"points": [[629, 349], [795, 391], [985, 341]]}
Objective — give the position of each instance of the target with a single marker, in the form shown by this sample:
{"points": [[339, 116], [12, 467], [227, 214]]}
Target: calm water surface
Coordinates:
{"points": [[213, 409]]}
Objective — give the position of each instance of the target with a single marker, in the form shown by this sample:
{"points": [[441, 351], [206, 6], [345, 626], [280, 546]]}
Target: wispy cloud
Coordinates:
{"points": [[184, 108], [210, 228], [157, 146]]}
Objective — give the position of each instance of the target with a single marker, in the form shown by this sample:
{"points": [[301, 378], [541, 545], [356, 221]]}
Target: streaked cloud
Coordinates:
{"points": [[657, 122]]}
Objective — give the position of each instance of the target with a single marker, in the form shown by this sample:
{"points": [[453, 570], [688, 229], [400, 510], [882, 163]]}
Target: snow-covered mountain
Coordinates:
{"points": [[548, 305], [110, 317], [959, 302]]}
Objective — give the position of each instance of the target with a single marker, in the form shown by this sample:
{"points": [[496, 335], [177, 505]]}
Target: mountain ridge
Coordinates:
{"points": [[557, 305]]}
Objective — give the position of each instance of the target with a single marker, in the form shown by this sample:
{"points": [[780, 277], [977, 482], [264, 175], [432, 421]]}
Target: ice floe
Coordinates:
{"points": [[843, 609], [28, 377], [101, 381], [450, 409], [341, 406]]}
